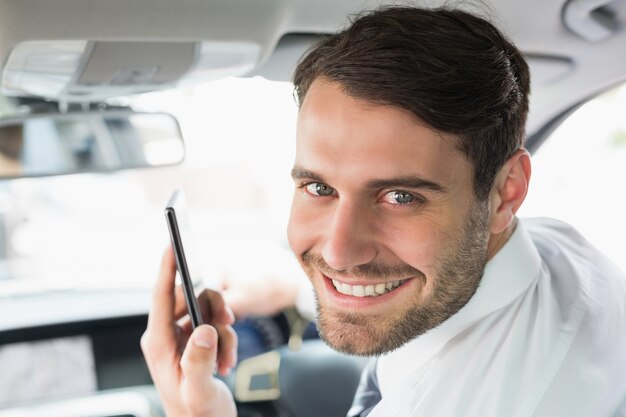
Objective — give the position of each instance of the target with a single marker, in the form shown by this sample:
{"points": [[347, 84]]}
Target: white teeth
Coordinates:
{"points": [[358, 291], [366, 290]]}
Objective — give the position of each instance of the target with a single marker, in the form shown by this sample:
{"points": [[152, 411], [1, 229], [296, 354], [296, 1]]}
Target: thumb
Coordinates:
{"points": [[200, 392], [198, 366]]}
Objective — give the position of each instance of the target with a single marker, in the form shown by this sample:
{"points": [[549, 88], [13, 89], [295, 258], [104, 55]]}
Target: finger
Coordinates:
{"points": [[214, 309], [230, 320], [186, 327], [198, 365], [161, 318], [227, 342], [180, 305], [227, 352]]}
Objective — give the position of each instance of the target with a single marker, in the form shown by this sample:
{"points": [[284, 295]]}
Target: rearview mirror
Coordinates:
{"points": [[43, 145]]}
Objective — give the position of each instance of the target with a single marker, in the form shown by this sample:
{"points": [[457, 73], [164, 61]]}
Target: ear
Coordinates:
{"points": [[509, 190]]}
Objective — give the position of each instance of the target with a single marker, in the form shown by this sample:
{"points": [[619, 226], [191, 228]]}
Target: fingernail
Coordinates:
{"points": [[231, 316], [203, 338]]}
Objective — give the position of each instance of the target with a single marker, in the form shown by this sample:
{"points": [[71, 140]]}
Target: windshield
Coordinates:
{"points": [[108, 231]]}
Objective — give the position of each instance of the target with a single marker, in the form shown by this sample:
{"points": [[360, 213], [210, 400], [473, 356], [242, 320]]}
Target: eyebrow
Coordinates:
{"points": [[409, 181], [298, 173]]}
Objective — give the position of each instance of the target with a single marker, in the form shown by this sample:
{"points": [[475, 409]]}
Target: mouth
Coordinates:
{"points": [[367, 297], [370, 290]]}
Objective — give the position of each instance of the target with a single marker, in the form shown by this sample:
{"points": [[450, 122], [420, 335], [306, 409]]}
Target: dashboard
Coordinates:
{"points": [[71, 359], [93, 367]]}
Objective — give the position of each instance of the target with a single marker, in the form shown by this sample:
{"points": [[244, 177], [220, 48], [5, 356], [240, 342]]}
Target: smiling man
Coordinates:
{"points": [[409, 171], [393, 249]]}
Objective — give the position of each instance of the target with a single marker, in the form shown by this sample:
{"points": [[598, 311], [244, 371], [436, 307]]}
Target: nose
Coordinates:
{"points": [[349, 238]]}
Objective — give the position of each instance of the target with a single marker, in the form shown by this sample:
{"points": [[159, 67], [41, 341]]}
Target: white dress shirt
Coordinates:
{"points": [[543, 336]]}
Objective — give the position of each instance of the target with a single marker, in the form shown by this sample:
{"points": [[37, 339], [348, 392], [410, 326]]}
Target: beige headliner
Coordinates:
{"points": [[535, 25]]}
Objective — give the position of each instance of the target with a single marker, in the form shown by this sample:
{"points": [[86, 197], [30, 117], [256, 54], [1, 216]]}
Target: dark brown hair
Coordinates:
{"points": [[451, 69]]}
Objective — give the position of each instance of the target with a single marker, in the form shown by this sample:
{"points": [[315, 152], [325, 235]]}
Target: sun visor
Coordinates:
{"points": [[78, 71], [118, 64], [545, 69]]}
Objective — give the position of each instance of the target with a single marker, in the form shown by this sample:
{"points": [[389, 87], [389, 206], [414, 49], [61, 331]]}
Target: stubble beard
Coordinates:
{"points": [[457, 275]]}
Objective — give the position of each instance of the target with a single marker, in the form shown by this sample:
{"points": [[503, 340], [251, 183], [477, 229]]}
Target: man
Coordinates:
{"points": [[409, 171]]}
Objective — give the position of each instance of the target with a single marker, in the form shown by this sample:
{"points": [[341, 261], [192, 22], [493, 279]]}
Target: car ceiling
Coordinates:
{"points": [[566, 68]]}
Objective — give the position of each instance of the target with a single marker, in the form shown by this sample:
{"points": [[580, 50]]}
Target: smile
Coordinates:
{"points": [[372, 290]]}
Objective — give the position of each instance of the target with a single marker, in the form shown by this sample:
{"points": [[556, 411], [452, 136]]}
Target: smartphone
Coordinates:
{"points": [[188, 267]]}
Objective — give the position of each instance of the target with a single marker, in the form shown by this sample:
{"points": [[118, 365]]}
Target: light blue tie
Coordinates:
{"points": [[367, 394]]}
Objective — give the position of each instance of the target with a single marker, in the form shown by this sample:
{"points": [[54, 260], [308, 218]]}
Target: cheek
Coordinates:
{"points": [[299, 232], [419, 243]]}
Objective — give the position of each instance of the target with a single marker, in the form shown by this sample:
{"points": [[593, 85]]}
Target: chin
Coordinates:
{"points": [[350, 341], [355, 334], [375, 334]]}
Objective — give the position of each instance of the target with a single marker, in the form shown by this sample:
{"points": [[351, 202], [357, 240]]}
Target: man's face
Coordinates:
{"points": [[383, 221]]}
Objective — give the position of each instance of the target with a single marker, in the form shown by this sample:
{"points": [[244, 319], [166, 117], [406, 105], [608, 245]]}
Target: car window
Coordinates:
{"points": [[108, 231], [579, 173]]}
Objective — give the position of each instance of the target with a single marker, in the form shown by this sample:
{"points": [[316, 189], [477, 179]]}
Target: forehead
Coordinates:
{"points": [[343, 136]]}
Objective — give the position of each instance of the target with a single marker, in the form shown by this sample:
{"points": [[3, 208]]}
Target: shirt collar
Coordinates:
{"points": [[512, 270]]}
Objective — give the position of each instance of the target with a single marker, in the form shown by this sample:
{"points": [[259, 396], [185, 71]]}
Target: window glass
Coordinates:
{"points": [[108, 231], [579, 174], [104, 231]]}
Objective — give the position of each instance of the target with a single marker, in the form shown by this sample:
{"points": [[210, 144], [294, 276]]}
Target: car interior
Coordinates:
{"points": [[78, 84]]}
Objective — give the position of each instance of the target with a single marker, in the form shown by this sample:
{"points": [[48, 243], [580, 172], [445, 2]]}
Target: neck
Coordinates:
{"points": [[498, 240]]}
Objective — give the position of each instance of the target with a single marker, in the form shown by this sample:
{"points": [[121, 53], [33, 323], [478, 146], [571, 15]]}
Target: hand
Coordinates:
{"points": [[250, 293], [182, 363], [271, 281]]}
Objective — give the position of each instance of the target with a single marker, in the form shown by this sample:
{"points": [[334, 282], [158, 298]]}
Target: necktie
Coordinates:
{"points": [[367, 394]]}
